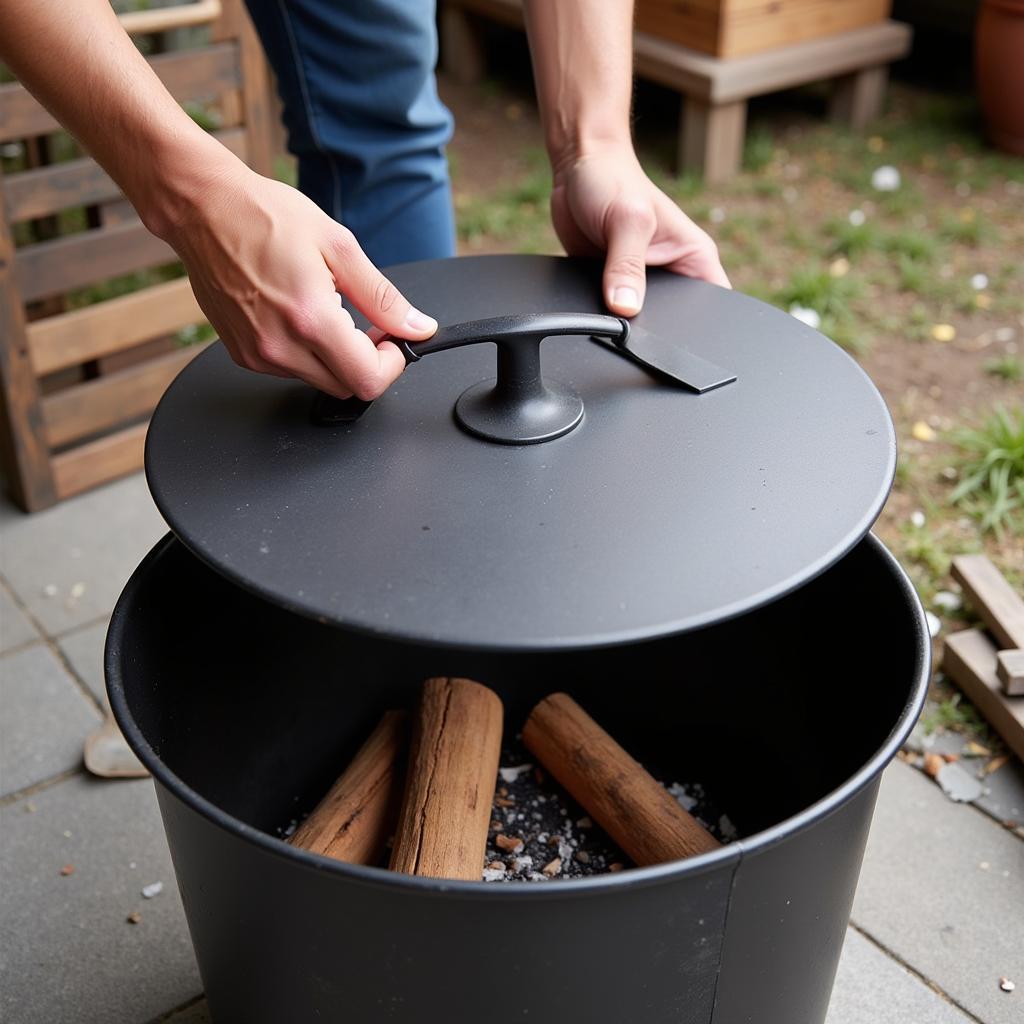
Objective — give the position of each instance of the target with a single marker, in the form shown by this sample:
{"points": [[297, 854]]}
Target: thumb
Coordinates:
{"points": [[629, 233], [371, 292]]}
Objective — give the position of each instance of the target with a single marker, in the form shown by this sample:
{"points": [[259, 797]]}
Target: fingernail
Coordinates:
{"points": [[626, 298], [419, 321]]}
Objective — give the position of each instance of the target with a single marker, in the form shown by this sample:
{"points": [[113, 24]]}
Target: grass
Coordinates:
{"points": [[991, 484], [956, 715], [815, 288], [1007, 367]]}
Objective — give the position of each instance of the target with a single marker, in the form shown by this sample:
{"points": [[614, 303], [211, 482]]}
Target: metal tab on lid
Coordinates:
{"points": [[661, 509]]}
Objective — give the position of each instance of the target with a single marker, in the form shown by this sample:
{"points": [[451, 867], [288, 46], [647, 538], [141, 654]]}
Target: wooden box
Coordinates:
{"points": [[735, 28]]}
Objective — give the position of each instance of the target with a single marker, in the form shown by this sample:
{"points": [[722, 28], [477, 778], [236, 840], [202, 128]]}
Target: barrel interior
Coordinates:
{"points": [[258, 709]]}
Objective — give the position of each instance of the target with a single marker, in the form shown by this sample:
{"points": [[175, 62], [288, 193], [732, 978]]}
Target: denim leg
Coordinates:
{"points": [[364, 119]]}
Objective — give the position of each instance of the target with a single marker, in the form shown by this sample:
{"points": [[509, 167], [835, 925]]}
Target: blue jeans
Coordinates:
{"points": [[363, 116]]}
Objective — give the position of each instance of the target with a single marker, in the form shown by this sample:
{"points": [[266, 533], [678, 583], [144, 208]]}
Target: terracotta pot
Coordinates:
{"points": [[999, 66]]}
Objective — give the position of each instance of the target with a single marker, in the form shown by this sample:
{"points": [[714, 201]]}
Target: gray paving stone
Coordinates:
{"points": [[872, 988], [67, 951], [69, 563], [15, 629], [942, 887], [84, 650], [45, 718]]}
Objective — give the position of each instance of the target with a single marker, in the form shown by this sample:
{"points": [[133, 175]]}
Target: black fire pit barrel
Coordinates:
{"points": [[683, 561]]}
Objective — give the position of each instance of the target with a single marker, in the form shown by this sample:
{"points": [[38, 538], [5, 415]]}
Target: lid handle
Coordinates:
{"points": [[519, 406]]}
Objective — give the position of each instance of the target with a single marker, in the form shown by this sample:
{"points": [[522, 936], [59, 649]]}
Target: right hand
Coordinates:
{"points": [[266, 265]]}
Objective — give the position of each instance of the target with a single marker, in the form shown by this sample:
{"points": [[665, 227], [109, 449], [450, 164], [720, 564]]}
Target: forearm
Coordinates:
{"points": [[79, 63], [583, 59]]}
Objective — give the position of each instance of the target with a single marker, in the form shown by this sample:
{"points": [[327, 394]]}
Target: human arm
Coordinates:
{"points": [[265, 263], [602, 201]]}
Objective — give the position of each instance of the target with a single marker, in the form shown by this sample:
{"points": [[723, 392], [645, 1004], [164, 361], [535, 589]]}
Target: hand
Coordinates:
{"points": [[604, 203], [266, 265]]}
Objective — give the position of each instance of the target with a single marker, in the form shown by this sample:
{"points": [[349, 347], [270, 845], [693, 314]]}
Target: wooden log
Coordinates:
{"points": [[1001, 608], [354, 820], [1010, 670], [969, 659], [453, 769], [615, 790]]}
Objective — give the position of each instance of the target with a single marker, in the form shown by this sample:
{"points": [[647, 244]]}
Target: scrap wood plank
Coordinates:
{"points": [[1001, 608], [1011, 672], [969, 659]]}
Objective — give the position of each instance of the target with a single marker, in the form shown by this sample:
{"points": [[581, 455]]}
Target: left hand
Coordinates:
{"points": [[604, 204]]}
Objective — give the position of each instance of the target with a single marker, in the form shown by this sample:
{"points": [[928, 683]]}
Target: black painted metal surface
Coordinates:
{"points": [[244, 712], [662, 511]]}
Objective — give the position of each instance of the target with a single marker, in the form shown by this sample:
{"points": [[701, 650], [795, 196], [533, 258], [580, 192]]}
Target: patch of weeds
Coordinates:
{"points": [[830, 297], [194, 334], [758, 150], [516, 213], [913, 276], [1008, 368], [991, 484], [208, 120], [927, 548], [913, 245], [966, 228], [852, 240], [956, 715], [122, 285]]}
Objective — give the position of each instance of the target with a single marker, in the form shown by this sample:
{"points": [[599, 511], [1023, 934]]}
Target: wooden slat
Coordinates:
{"points": [[256, 94], [95, 331], [103, 403], [1000, 607], [1010, 671], [969, 659], [21, 421], [99, 461], [164, 19], [187, 75], [78, 260], [81, 182]]}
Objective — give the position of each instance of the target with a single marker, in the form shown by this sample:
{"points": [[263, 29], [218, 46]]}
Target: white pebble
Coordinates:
{"points": [[856, 218], [494, 874], [77, 590], [934, 624], [151, 890], [947, 601], [511, 775], [50, 590], [917, 518], [886, 178], [979, 282], [1006, 985], [716, 215], [805, 315]]}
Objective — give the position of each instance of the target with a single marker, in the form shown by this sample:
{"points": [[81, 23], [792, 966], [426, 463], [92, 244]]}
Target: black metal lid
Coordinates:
{"points": [[659, 509]]}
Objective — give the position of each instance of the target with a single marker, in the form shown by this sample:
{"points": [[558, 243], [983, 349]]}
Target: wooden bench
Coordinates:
{"points": [[77, 385], [714, 91]]}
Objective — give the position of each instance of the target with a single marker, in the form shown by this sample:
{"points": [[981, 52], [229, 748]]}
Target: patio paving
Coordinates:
{"points": [[936, 921]]}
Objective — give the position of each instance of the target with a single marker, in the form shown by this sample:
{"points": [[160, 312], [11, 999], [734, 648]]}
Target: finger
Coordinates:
{"points": [[629, 230], [371, 292], [365, 368]]}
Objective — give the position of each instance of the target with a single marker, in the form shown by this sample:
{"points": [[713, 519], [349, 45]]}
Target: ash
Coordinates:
{"points": [[539, 833]]}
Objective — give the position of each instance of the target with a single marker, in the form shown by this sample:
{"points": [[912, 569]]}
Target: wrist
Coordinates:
{"points": [[607, 147], [187, 169]]}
